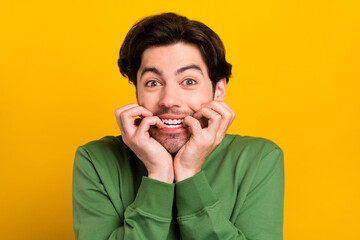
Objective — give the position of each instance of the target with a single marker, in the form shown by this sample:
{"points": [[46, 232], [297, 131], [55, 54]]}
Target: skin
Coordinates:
{"points": [[173, 83]]}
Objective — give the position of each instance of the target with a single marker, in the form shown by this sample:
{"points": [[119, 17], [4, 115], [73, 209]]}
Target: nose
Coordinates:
{"points": [[170, 96]]}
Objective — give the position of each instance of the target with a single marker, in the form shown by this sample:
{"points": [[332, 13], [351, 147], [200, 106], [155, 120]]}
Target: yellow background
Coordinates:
{"points": [[295, 81]]}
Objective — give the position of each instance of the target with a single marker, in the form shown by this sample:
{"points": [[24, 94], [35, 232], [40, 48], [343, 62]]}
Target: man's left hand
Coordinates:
{"points": [[190, 158]]}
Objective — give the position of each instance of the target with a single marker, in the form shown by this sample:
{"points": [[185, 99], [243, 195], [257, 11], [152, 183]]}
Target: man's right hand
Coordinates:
{"points": [[156, 159]]}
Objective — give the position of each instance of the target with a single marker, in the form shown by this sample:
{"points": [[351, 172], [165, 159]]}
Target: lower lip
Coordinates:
{"points": [[172, 130]]}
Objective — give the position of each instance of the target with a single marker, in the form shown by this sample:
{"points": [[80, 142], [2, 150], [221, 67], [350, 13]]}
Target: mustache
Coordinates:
{"points": [[174, 111]]}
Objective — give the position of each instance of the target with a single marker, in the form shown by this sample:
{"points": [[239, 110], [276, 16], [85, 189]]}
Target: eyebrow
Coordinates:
{"points": [[150, 69], [180, 70], [192, 66]]}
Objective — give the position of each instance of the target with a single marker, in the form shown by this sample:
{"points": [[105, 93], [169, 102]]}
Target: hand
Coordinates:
{"points": [[156, 159], [190, 158]]}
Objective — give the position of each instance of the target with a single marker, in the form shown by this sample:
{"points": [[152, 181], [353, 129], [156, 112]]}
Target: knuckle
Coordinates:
{"points": [[217, 117], [216, 103], [122, 114], [117, 112], [228, 115], [146, 120]]}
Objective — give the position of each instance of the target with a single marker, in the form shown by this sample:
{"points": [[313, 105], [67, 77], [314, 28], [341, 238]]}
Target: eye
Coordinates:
{"points": [[152, 83], [189, 82]]}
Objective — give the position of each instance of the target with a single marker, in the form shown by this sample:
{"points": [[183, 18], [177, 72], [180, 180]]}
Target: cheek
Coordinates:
{"points": [[195, 101], [203, 95], [147, 101]]}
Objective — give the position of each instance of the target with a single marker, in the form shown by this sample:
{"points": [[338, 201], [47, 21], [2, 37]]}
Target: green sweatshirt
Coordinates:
{"points": [[237, 195]]}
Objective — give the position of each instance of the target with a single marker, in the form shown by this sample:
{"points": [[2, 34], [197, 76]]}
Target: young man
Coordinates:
{"points": [[174, 173]]}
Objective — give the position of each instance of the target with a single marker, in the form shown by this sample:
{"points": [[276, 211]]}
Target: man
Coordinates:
{"points": [[174, 173]]}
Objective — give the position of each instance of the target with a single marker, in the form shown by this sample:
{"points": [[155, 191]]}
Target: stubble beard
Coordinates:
{"points": [[172, 142]]}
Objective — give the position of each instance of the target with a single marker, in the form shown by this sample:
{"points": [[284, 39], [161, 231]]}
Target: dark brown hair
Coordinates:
{"points": [[170, 28]]}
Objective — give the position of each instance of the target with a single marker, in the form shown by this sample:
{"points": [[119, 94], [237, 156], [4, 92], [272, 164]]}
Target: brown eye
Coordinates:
{"points": [[189, 82], [152, 83]]}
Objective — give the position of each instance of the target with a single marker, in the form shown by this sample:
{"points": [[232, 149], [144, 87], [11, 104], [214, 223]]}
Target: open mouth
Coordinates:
{"points": [[173, 123]]}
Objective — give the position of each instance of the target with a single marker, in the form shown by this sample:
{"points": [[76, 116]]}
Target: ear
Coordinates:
{"points": [[220, 90]]}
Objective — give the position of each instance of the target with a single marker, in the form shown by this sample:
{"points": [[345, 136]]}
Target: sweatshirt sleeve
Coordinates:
{"points": [[200, 213], [95, 217]]}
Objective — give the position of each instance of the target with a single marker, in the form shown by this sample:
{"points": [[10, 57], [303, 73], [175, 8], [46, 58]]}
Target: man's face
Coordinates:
{"points": [[173, 82]]}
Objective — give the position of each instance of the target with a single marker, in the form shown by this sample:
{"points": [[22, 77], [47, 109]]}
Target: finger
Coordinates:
{"points": [[226, 106], [193, 125], [232, 113], [117, 113], [147, 122], [126, 119], [123, 108], [213, 117], [227, 114], [222, 108], [144, 112]]}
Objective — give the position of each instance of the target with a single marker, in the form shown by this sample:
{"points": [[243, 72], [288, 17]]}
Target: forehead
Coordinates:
{"points": [[172, 56]]}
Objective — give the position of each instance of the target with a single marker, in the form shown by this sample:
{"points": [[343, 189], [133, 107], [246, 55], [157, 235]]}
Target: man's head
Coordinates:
{"points": [[176, 65], [170, 28]]}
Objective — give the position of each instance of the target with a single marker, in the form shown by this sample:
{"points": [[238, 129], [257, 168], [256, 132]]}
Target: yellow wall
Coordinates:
{"points": [[295, 81]]}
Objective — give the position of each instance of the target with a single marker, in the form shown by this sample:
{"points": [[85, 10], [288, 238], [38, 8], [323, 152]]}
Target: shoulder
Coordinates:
{"points": [[254, 158], [105, 145], [105, 148], [249, 145], [261, 155], [102, 154], [249, 153]]}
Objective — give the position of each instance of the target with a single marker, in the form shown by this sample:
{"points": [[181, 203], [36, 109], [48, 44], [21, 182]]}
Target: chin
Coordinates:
{"points": [[172, 142]]}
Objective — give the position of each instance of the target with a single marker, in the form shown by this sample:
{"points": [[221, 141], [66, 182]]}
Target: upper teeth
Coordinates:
{"points": [[172, 121]]}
